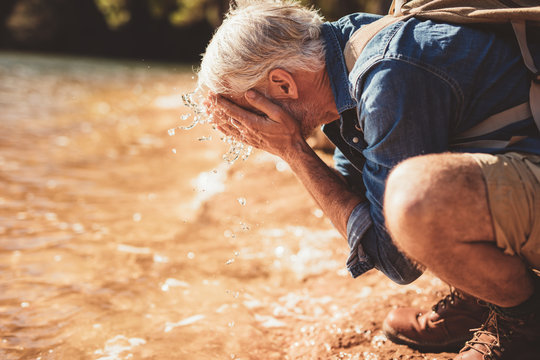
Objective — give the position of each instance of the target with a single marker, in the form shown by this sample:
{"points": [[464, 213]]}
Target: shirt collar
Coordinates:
{"points": [[337, 70]]}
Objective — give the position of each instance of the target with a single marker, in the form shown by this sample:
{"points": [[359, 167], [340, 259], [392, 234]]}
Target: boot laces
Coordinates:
{"points": [[488, 337], [448, 299]]}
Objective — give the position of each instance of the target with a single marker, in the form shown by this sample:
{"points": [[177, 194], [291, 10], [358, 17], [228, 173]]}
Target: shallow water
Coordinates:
{"points": [[118, 241]]}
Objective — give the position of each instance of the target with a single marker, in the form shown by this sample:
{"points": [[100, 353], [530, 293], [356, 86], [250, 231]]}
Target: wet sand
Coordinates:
{"points": [[118, 241]]}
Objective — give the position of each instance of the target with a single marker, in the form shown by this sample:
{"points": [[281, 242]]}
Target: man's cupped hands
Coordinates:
{"points": [[265, 125]]}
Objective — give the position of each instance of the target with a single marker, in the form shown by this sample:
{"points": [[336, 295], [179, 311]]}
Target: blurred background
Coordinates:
{"points": [[153, 29]]}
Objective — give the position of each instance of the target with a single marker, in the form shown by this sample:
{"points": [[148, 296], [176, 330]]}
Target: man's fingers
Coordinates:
{"points": [[220, 117], [232, 110], [242, 116], [230, 130], [263, 104]]}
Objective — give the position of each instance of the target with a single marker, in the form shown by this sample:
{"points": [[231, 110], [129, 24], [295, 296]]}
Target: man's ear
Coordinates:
{"points": [[281, 85]]}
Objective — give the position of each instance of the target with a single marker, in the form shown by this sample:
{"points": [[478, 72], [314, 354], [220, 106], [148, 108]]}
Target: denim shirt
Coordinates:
{"points": [[416, 86]]}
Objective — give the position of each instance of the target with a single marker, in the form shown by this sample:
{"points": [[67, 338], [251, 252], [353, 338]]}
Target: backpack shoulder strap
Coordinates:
{"points": [[362, 36], [534, 92]]}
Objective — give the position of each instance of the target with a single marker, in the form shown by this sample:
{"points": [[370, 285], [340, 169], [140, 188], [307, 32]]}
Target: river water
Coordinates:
{"points": [[118, 241]]}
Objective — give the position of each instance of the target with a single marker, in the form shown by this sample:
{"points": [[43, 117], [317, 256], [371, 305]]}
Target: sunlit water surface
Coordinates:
{"points": [[118, 241]]}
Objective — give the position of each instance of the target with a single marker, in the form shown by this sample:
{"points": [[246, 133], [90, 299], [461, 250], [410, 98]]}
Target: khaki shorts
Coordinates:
{"points": [[513, 187]]}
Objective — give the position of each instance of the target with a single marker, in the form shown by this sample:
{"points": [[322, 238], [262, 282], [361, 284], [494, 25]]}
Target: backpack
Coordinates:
{"points": [[516, 12]]}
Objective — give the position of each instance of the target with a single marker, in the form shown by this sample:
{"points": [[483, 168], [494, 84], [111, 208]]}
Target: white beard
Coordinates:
{"points": [[307, 114]]}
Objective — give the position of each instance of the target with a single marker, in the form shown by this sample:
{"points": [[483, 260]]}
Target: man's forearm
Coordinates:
{"points": [[331, 193]]}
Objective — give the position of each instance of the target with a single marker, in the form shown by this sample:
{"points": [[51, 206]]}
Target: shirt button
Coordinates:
{"points": [[355, 140]]}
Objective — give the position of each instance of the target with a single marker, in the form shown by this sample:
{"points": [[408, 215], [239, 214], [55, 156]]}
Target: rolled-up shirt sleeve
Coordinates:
{"points": [[358, 224], [359, 221]]}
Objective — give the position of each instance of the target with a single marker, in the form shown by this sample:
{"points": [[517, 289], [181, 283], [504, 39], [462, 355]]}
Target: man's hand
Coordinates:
{"points": [[276, 131]]}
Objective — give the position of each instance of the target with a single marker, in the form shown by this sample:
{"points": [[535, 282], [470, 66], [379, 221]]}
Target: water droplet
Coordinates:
{"points": [[231, 324], [191, 255], [244, 226], [193, 124], [242, 201], [25, 304], [174, 151], [137, 217], [229, 262], [236, 253], [205, 138], [318, 213], [171, 132], [185, 116]]}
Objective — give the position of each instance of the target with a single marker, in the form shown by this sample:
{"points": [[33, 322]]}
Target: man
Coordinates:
{"points": [[275, 72]]}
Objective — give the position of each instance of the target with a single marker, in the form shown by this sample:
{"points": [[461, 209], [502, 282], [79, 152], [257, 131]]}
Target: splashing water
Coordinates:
{"points": [[236, 150], [193, 101], [244, 226]]}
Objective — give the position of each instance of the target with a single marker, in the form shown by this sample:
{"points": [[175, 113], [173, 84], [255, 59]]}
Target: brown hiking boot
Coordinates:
{"points": [[445, 328], [503, 338]]}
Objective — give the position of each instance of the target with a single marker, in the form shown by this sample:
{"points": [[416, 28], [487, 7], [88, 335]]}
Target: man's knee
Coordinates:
{"points": [[434, 198], [407, 201]]}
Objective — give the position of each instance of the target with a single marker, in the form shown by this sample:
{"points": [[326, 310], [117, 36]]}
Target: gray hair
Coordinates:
{"points": [[257, 37]]}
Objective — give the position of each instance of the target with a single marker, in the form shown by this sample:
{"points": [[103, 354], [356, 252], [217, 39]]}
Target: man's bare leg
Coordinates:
{"points": [[436, 209]]}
